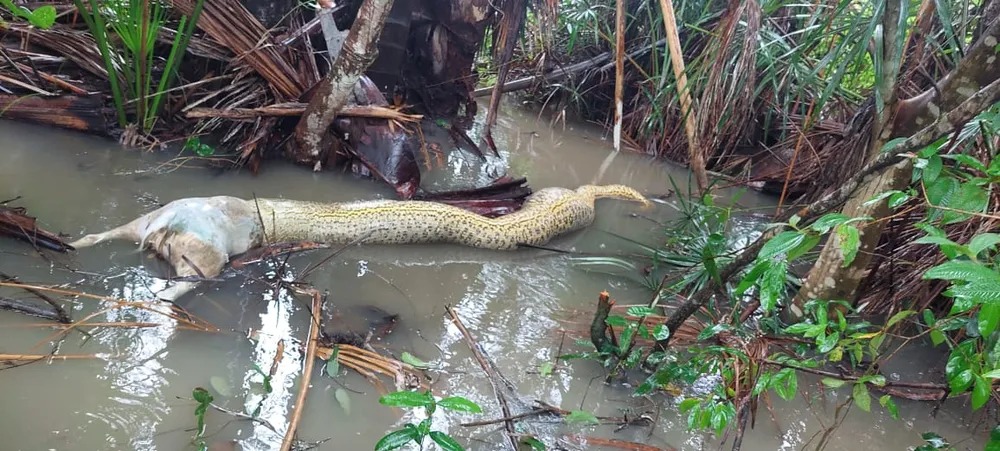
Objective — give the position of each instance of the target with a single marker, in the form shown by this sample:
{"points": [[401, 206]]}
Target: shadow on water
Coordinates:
{"points": [[136, 395]]}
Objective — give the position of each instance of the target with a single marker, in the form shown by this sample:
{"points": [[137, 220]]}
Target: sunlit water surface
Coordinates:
{"points": [[136, 392]]}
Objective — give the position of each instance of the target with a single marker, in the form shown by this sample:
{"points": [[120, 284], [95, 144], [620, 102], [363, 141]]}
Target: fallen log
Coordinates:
{"points": [[85, 114]]}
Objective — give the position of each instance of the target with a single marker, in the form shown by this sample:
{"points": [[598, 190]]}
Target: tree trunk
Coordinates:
{"points": [[332, 93], [829, 278]]}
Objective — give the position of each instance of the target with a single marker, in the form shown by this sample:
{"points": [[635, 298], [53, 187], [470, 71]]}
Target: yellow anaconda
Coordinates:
{"points": [[198, 235]]}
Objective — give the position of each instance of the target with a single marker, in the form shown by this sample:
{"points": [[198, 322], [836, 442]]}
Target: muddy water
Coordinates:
{"points": [[135, 393]]}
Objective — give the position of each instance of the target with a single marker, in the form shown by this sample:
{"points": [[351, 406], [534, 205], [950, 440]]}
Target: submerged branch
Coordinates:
{"points": [[496, 379], [300, 399]]}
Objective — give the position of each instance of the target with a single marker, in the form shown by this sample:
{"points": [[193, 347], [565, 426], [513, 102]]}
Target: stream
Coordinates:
{"points": [[135, 391]]}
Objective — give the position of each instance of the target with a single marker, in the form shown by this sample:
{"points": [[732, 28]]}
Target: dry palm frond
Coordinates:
{"points": [[372, 364], [229, 23], [727, 101]]}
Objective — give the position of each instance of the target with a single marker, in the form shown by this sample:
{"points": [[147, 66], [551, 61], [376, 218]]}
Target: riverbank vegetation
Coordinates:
{"points": [[874, 123]]}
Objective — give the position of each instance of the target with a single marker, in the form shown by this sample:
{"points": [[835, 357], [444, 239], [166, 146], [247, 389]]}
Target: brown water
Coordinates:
{"points": [[136, 394]]}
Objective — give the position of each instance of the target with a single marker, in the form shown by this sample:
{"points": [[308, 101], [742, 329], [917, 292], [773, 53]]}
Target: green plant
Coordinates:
{"points": [[194, 144], [204, 400], [417, 433], [137, 24], [42, 17]]}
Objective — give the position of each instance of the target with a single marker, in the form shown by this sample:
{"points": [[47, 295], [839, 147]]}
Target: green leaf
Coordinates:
{"points": [[546, 369], [459, 404], [981, 392], [712, 331], [807, 245], [995, 374], [940, 190], [625, 340], [988, 317], [899, 317], [933, 169], [409, 359], [202, 396], [898, 198], [688, 404], [982, 242], [407, 399], [799, 328], [332, 367], [829, 221], [616, 321], [862, 398], [968, 161], [961, 381], [827, 342], [396, 439], [445, 441], [929, 318], [850, 242], [889, 405], [661, 332], [980, 293], [965, 271], [836, 354], [772, 285], [43, 17], [949, 247], [344, 399], [833, 383], [751, 278], [781, 244], [579, 416], [640, 310], [786, 383], [968, 197], [877, 199], [532, 443], [935, 440], [994, 443]]}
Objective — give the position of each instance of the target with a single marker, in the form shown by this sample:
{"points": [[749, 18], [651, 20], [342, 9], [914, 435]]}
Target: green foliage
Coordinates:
{"points": [[42, 17], [194, 144], [581, 417], [136, 24], [712, 412], [204, 400], [409, 359], [418, 433]]}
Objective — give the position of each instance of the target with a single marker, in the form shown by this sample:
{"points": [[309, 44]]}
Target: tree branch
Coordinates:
{"points": [[332, 93]]}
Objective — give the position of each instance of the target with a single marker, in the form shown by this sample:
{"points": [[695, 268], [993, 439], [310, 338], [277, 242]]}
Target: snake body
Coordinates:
{"points": [[198, 235]]}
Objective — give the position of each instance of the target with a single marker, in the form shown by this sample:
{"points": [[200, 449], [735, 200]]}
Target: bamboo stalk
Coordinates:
{"points": [[695, 155], [619, 71]]}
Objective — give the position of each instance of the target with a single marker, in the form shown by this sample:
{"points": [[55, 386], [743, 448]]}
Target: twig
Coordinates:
{"points": [[300, 400], [34, 357], [494, 377], [244, 416]]}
